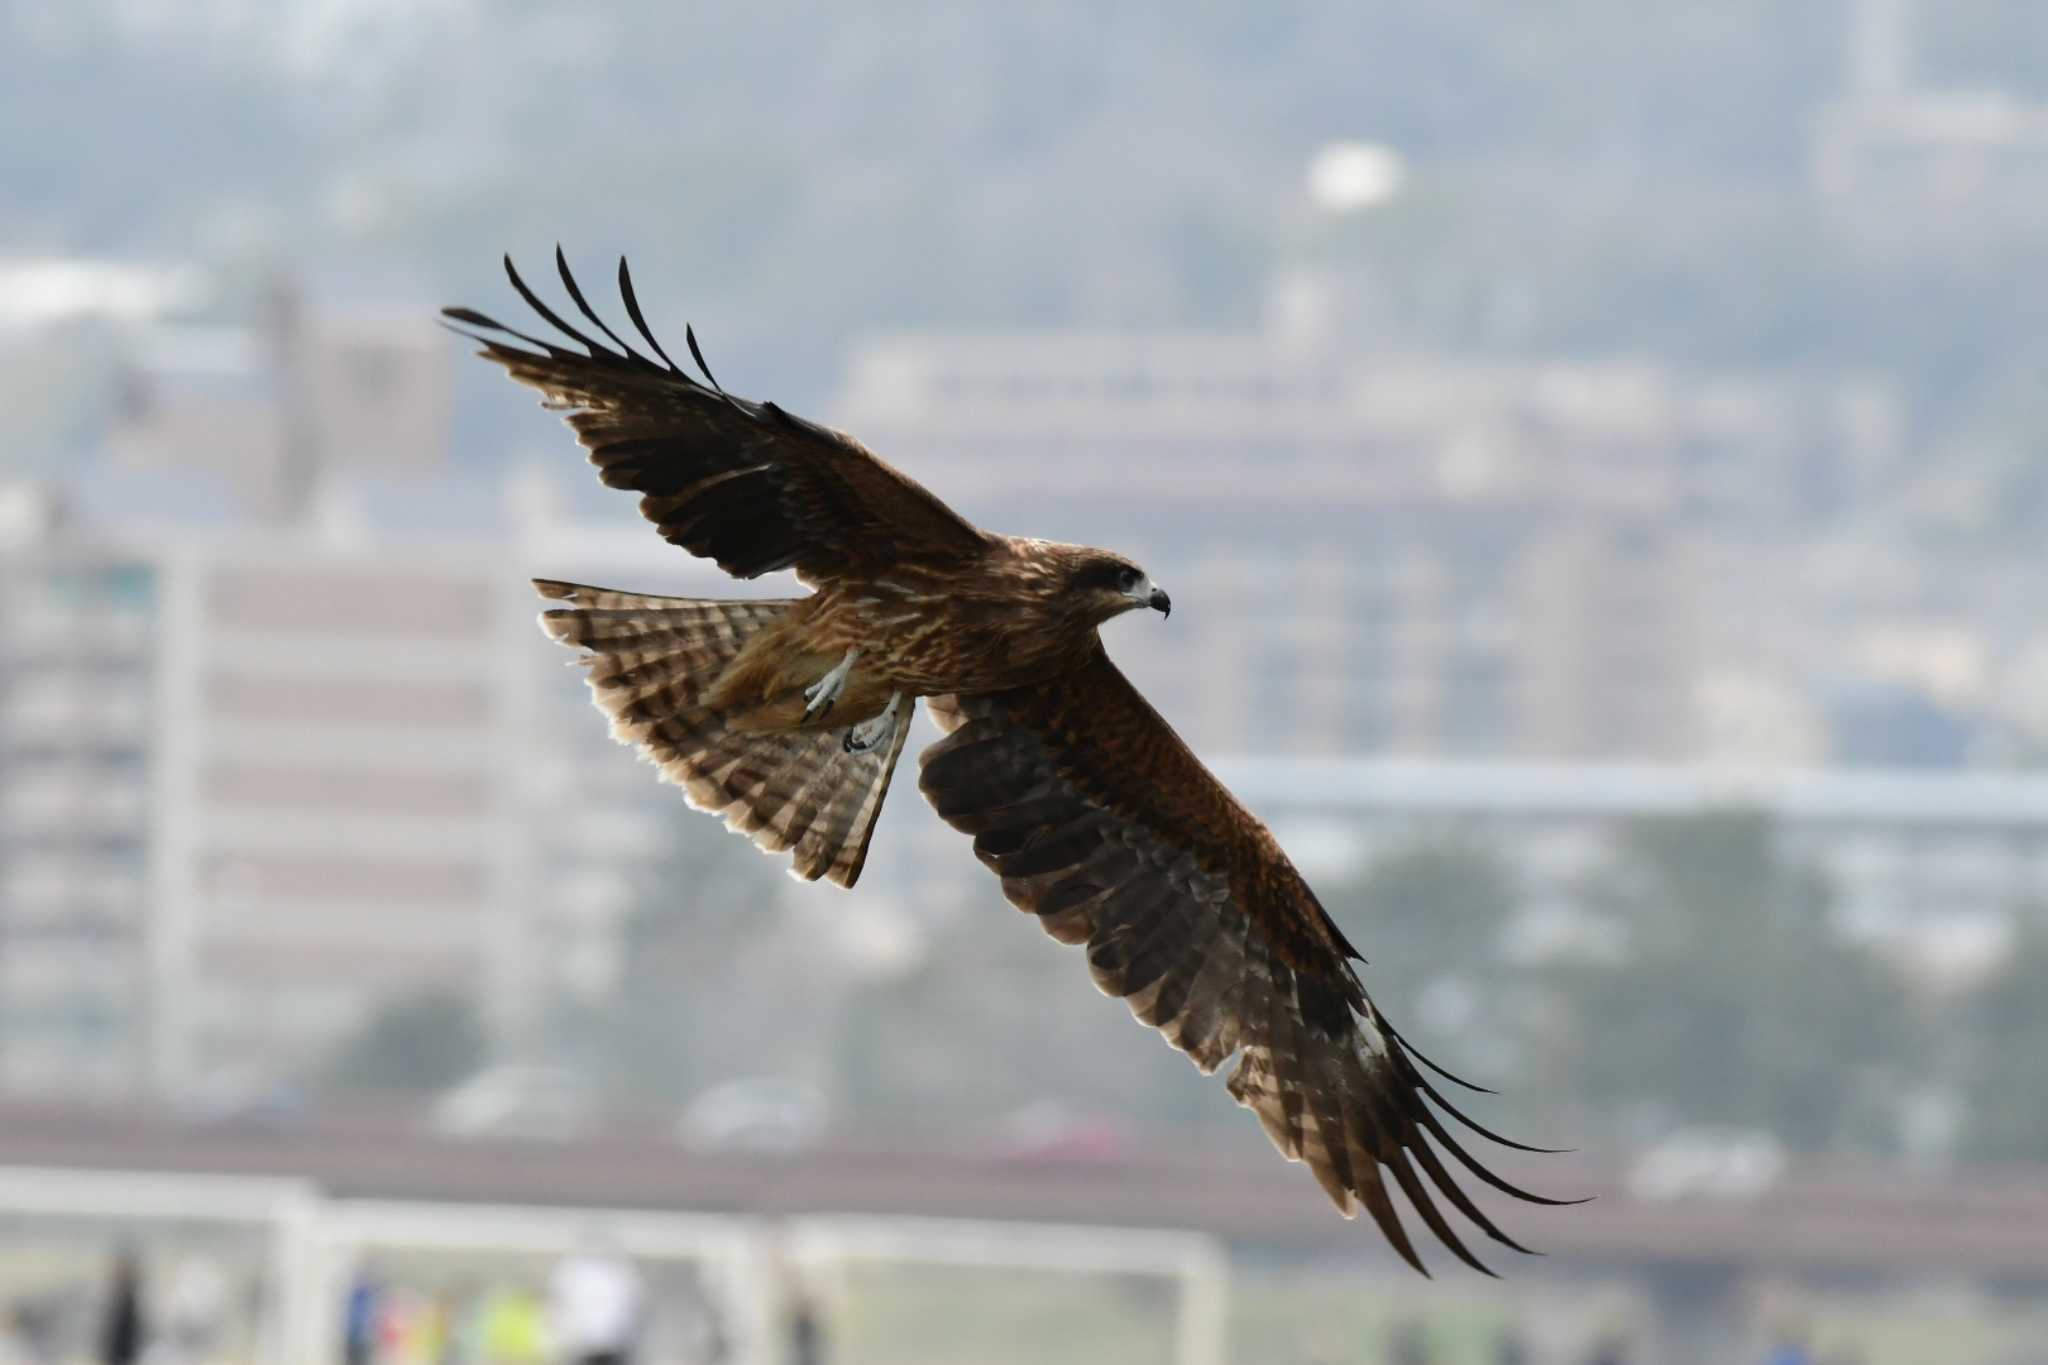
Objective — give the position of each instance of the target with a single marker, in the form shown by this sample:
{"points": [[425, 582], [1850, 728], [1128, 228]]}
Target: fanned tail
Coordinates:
{"points": [[650, 660]]}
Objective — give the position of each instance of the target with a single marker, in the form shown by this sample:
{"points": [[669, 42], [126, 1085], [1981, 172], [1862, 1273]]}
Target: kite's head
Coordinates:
{"points": [[1107, 585]]}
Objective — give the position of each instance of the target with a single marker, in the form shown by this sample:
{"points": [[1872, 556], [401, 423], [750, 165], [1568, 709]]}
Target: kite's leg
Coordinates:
{"points": [[820, 695], [876, 731]]}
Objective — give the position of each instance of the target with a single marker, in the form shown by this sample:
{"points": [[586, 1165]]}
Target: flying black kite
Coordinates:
{"points": [[786, 718]]}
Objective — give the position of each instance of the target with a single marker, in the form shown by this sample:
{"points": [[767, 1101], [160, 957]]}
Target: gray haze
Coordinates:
{"points": [[1598, 451]]}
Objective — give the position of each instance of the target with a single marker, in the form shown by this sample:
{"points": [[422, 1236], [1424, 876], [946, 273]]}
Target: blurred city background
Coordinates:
{"points": [[1599, 454]]}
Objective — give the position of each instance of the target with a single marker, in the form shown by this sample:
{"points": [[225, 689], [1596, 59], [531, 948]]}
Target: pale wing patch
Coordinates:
{"points": [[649, 662]]}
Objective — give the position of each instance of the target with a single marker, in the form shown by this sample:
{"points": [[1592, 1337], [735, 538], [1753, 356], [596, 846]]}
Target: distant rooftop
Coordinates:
{"points": [[1886, 796]]}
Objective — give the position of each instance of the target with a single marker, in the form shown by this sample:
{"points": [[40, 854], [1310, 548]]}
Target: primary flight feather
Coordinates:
{"points": [[787, 717]]}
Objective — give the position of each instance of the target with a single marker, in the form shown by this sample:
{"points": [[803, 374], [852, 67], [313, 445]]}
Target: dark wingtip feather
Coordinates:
{"points": [[1419, 1200], [633, 311], [1473, 1164], [1422, 1084], [472, 317], [1373, 1195], [1417, 1053], [583, 307], [697, 354], [498, 349], [1445, 1182], [553, 318]]}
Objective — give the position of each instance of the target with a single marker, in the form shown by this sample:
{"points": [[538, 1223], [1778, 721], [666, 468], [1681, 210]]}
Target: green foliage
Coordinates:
{"points": [[2006, 1096], [1432, 918], [1001, 1016], [1709, 987], [1423, 912], [1731, 1000], [422, 1042], [685, 1011]]}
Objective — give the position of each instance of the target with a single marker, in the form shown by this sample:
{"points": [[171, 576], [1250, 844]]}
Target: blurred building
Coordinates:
{"points": [[1906, 156], [1430, 556], [78, 655], [265, 778], [256, 788], [319, 389], [337, 815], [603, 832]]}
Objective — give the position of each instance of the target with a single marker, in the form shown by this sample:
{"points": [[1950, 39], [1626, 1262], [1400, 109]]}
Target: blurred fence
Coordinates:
{"points": [[287, 1256]]}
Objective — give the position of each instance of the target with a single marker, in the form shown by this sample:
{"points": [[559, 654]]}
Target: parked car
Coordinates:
{"points": [[755, 1113], [1048, 1133], [548, 1102], [1709, 1163]]}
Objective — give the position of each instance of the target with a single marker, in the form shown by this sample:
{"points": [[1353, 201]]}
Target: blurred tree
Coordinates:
{"points": [[683, 1008], [2006, 1081], [1732, 1000], [421, 1042], [1427, 910], [1000, 1016], [1432, 918]]}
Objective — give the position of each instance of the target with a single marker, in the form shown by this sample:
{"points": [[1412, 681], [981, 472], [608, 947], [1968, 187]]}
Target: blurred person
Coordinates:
{"points": [[359, 1317], [595, 1308], [123, 1331], [806, 1331], [512, 1327], [461, 1311], [411, 1330], [195, 1307], [431, 1327]]}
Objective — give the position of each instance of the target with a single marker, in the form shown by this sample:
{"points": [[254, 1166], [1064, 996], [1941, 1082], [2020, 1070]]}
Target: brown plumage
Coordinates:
{"points": [[786, 718]]}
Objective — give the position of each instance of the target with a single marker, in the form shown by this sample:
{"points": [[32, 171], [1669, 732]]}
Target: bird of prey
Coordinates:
{"points": [[786, 718]]}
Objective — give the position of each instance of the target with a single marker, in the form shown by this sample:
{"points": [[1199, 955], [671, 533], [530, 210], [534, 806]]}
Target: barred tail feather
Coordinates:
{"points": [[650, 659]]}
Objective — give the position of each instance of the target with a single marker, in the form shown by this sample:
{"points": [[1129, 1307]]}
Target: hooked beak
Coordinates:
{"points": [[1146, 593]]}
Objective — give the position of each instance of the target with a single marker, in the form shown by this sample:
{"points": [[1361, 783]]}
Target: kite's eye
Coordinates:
{"points": [[1127, 580]]}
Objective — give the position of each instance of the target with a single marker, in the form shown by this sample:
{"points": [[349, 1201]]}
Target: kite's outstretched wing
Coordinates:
{"points": [[1101, 822], [743, 483]]}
